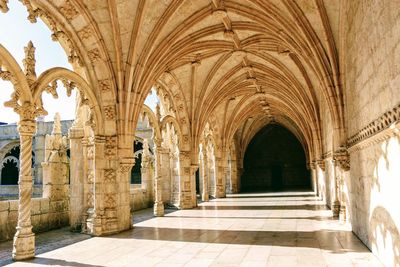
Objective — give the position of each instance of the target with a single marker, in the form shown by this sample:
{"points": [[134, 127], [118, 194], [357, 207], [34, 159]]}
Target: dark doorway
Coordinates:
{"points": [[197, 182], [275, 161]]}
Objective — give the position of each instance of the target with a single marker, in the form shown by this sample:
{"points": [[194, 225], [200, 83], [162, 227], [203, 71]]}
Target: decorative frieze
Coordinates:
{"points": [[376, 131]]}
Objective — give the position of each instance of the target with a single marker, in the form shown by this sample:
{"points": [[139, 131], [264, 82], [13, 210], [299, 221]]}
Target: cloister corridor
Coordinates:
{"points": [[257, 229]]}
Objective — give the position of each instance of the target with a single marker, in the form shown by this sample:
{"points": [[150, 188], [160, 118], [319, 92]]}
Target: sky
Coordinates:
{"points": [[15, 33], [14, 37]]}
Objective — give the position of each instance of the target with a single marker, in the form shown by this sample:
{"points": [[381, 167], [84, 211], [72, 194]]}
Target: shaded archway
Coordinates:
{"points": [[275, 161]]}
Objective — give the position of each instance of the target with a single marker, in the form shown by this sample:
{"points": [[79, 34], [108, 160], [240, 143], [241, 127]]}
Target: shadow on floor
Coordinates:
{"points": [[334, 241], [56, 262], [311, 218], [265, 207], [45, 242]]}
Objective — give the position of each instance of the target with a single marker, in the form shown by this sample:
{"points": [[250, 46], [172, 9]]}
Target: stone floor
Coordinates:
{"points": [[286, 229]]}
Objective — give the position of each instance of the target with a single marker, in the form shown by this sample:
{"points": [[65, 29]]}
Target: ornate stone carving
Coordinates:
{"points": [[110, 200], [378, 125], [109, 112], [58, 34], [85, 33], [342, 159], [30, 63], [90, 177], [110, 146], [68, 10], [3, 6], [105, 85], [110, 176], [94, 55]]}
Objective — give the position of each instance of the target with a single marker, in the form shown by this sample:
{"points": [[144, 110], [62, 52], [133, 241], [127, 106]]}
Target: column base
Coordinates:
{"points": [[23, 246], [342, 213], [158, 209], [335, 208], [205, 198]]}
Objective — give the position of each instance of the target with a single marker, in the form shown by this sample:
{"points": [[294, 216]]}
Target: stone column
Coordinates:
{"points": [[147, 172], [39, 144], [313, 171], [342, 161], [158, 203], [184, 181], [95, 177], [55, 176], [24, 239], [320, 169], [335, 206], [193, 169], [77, 206], [204, 174], [234, 177], [220, 179]]}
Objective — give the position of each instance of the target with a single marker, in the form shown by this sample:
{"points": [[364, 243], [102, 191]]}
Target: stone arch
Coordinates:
{"points": [[11, 71], [47, 81]]}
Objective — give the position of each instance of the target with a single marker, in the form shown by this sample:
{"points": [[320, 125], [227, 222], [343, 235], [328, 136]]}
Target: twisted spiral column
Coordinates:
{"points": [[24, 239]]}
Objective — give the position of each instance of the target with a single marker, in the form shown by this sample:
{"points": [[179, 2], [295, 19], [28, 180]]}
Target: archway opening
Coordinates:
{"points": [[275, 161]]}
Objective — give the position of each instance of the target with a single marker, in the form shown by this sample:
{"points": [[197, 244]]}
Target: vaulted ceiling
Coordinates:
{"points": [[244, 62]]}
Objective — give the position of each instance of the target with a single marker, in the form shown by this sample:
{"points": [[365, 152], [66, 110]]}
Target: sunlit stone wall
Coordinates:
{"points": [[372, 77]]}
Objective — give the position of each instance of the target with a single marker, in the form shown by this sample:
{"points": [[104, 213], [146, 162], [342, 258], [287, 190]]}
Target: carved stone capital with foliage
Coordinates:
{"points": [[342, 159]]}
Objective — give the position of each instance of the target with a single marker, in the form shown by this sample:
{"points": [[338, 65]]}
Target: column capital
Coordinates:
{"points": [[27, 127], [341, 158]]}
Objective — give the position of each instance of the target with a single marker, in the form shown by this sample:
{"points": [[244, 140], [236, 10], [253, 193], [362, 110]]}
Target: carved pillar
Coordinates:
{"points": [[77, 206], [158, 203], [342, 167], [24, 239], [102, 218], [204, 171]]}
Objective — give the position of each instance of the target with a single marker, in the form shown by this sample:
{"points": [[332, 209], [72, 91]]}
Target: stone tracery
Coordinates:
{"points": [[222, 70]]}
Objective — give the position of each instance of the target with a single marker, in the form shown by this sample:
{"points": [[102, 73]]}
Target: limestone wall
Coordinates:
{"points": [[140, 198], [42, 219], [372, 87]]}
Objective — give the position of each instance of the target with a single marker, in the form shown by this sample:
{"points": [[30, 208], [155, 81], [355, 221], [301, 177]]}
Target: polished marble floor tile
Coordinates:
{"points": [[268, 229]]}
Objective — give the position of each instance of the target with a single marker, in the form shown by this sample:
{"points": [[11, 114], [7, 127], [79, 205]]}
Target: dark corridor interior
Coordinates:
{"points": [[275, 161]]}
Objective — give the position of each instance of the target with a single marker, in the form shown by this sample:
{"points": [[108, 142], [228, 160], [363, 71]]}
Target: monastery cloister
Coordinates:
{"points": [[274, 119]]}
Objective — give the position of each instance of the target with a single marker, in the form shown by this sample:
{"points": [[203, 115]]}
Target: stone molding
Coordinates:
{"points": [[382, 128]]}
